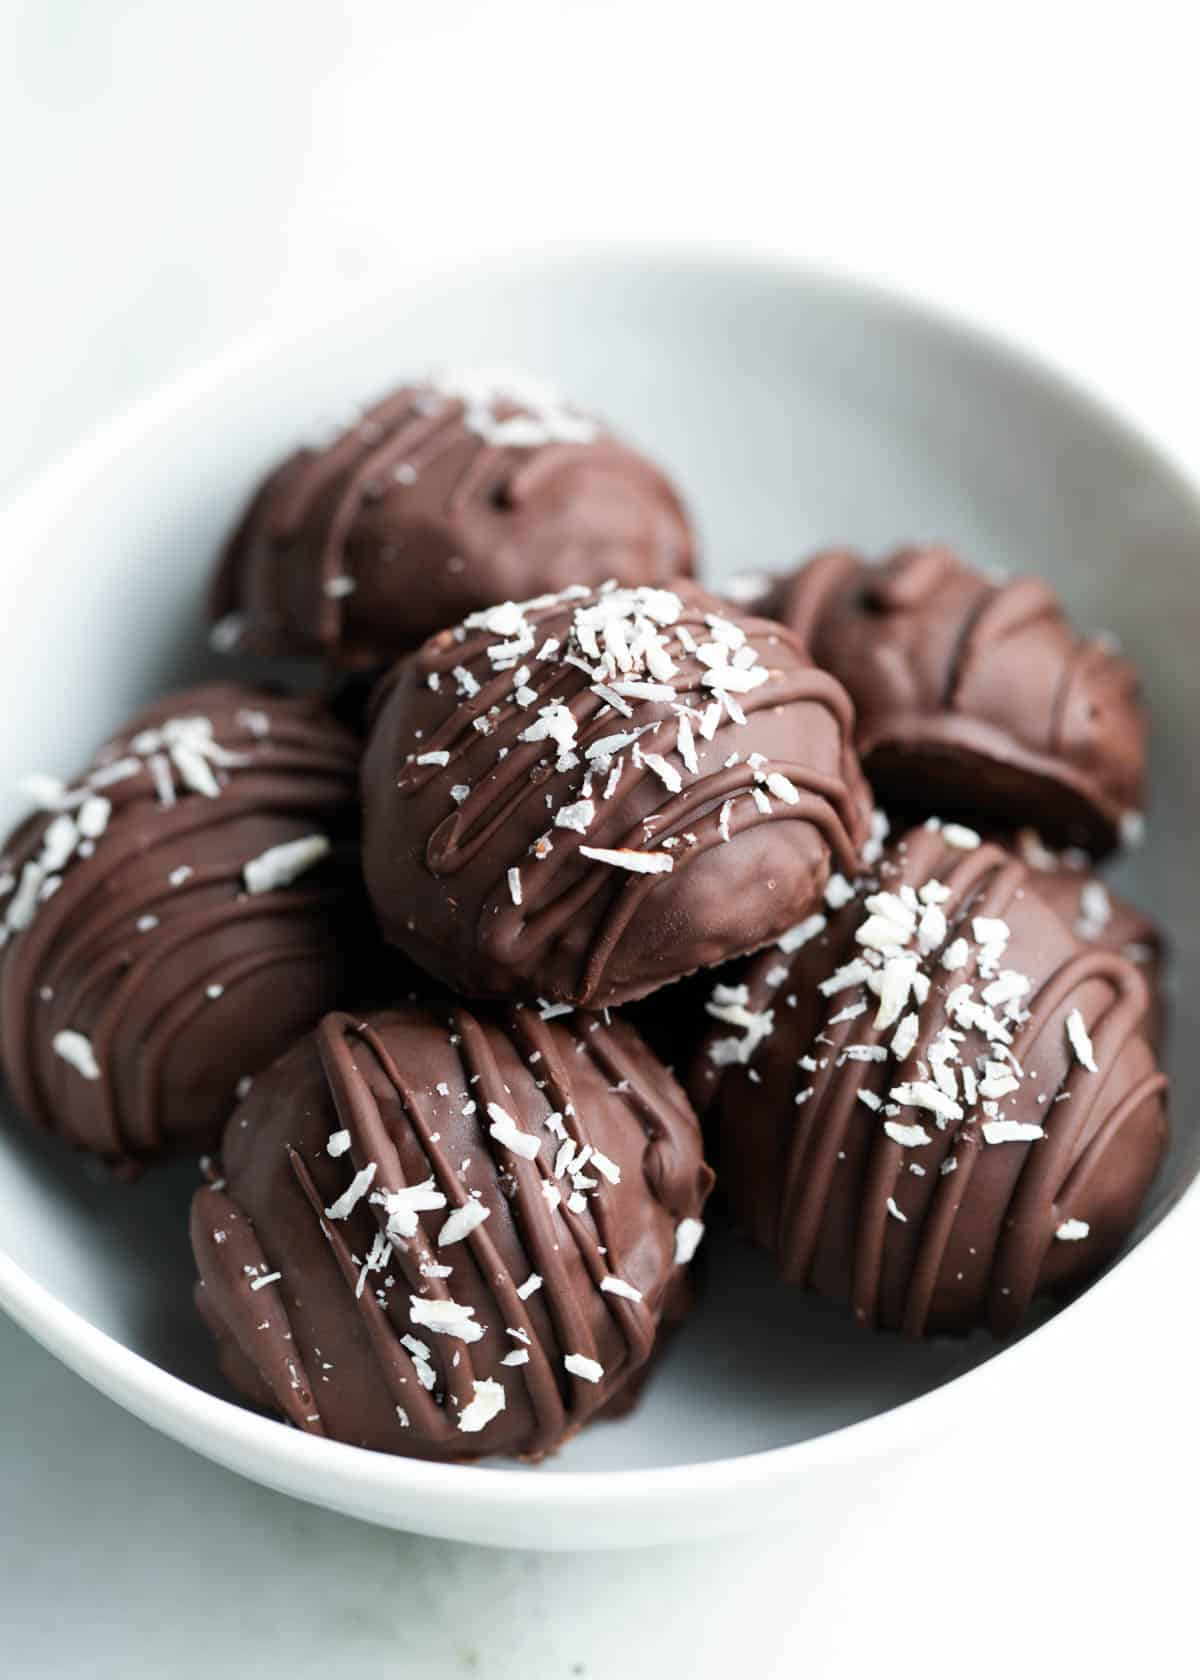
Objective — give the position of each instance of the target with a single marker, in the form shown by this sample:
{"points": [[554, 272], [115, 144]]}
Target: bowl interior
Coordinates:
{"points": [[794, 411]]}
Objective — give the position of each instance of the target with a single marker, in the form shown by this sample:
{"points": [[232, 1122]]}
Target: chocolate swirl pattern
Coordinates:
{"points": [[442, 499], [175, 916], [585, 796], [973, 694], [445, 1233], [937, 1103]]}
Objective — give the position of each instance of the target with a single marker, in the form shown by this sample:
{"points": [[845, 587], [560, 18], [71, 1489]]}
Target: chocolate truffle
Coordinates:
{"points": [[448, 1233], [1100, 916], [442, 499], [973, 695], [936, 1102], [588, 795], [175, 916]]}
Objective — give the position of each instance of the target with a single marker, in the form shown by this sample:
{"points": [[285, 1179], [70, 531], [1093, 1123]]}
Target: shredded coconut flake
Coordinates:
{"points": [[801, 934], [838, 892], [506, 1132], [280, 865], [77, 1052], [462, 1222], [641, 863], [1080, 1042], [1072, 1230], [488, 1403], [402, 1206], [850, 1013], [605, 1167], [853, 973], [1095, 909], [445, 1318], [1010, 1131], [688, 1234], [908, 1137], [93, 816], [666, 773], [353, 1194], [618, 1286], [905, 1037], [924, 1094], [956, 956], [578, 817]]}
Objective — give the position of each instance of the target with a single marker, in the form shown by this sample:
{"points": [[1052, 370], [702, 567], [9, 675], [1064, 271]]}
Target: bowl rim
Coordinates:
{"points": [[284, 1457]]}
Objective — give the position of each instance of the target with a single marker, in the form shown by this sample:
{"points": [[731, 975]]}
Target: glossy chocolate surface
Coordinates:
{"points": [[584, 797], [936, 1102], [440, 500], [974, 696], [175, 916], [447, 1232]]}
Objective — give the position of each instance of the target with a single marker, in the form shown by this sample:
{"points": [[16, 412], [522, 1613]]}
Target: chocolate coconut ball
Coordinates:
{"points": [[175, 916], [975, 696], [934, 1101], [588, 795], [447, 1233], [442, 499]]}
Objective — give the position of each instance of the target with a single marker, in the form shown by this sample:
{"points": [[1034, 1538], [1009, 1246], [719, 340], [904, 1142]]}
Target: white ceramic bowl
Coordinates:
{"points": [[795, 410]]}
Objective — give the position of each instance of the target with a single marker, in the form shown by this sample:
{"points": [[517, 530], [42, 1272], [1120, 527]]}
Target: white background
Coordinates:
{"points": [[173, 177]]}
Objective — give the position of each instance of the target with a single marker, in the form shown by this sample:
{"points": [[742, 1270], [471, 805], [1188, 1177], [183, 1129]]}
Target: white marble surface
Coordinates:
{"points": [[175, 177]]}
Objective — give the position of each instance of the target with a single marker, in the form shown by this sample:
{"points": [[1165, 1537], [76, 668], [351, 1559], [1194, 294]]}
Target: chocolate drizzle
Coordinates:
{"points": [[574, 933], [972, 693], [414, 1089], [913, 1242], [1101, 917], [178, 980], [441, 499]]}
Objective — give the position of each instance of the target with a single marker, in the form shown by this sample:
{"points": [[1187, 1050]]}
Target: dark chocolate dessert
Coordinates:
{"points": [[442, 499], [975, 696], [585, 796], [175, 916], [445, 1232], [933, 1100]]}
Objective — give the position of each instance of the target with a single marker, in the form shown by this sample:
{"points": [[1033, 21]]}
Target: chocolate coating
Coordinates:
{"points": [[1100, 916], [442, 499], [837, 1158], [975, 697], [339, 1342], [151, 980], [704, 756]]}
